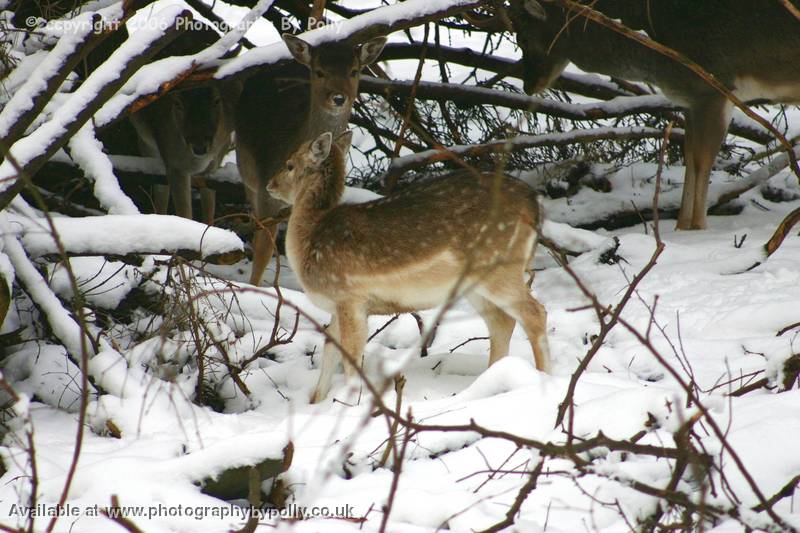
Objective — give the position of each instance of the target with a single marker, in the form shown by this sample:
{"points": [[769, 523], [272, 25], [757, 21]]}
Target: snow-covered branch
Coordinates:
{"points": [[38, 147], [380, 21], [121, 235], [403, 164]]}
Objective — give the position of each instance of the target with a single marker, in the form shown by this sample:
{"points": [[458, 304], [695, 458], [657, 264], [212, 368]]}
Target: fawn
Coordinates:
{"points": [[190, 130], [278, 111], [465, 234], [750, 46]]}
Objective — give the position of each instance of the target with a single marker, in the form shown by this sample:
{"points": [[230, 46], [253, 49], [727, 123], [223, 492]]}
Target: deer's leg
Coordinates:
{"points": [[208, 201], [263, 248], [264, 238], [349, 329], [330, 360], [262, 241], [514, 299], [533, 317], [180, 187], [161, 199], [706, 125], [687, 196], [499, 323], [711, 125], [353, 337]]}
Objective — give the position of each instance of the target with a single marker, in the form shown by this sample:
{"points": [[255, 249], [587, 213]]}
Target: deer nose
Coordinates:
{"points": [[338, 99], [199, 149]]}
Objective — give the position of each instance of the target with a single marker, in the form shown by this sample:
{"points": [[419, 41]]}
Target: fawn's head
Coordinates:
{"points": [[322, 156], [197, 113], [536, 33], [335, 68]]}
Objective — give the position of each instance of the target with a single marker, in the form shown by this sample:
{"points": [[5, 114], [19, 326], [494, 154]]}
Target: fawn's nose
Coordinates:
{"points": [[199, 149], [338, 99]]}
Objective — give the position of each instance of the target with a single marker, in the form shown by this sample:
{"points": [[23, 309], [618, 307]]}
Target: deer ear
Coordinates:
{"points": [[343, 141], [321, 147], [299, 49], [371, 49], [535, 9]]}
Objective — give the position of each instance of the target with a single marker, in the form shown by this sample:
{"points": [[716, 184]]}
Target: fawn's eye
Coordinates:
{"points": [[354, 73], [289, 167]]}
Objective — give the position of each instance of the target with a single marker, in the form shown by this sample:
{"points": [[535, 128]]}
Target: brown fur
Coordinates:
{"points": [[277, 112], [189, 129], [751, 46], [459, 235]]}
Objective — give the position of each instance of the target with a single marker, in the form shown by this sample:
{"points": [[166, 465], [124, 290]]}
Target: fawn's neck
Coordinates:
{"points": [[321, 191]]}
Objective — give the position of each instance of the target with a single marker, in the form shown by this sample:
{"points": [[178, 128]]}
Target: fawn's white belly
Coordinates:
{"points": [[422, 285]]}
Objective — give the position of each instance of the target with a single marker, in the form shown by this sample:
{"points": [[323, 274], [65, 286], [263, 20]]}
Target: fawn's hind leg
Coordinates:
{"points": [[499, 323], [506, 290]]}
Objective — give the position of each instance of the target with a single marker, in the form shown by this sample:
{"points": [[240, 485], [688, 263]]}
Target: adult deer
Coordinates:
{"points": [[750, 46], [277, 112], [189, 130], [465, 234]]}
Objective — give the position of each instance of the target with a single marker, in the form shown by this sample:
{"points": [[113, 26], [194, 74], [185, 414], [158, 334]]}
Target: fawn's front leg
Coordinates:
{"points": [[348, 330]]}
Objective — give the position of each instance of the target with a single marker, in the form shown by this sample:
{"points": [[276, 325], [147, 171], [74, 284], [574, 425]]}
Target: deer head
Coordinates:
{"points": [[536, 37], [310, 162], [334, 70], [197, 114]]}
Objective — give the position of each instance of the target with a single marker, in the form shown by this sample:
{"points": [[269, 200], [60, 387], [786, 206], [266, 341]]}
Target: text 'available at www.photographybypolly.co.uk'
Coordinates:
{"points": [[198, 512]]}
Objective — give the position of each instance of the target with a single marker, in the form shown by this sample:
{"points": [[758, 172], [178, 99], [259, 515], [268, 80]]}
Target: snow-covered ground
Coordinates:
{"points": [[720, 322], [150, 445]]}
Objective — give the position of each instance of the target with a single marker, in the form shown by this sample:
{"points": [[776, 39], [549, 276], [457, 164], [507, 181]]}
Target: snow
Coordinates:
{"points": [[88, 153], [721, 321], [267, 55], [47, 68], [713, 322], [227, 173], [125, 234], [29, 147], [537, 140], [149, 78], [103, 283], [633, 189]]}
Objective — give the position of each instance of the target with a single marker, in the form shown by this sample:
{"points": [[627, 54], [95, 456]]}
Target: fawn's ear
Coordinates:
{"points": [[321, 147], [299, 49], [535, 9], [371, 49], [343, 141]]}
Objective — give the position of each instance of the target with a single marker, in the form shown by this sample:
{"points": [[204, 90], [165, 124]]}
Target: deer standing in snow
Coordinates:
{"points": [[189, 129], [465, 234], [277, 112], [751, 46]]}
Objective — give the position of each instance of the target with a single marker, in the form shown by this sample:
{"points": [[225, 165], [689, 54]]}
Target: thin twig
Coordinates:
{"points": [[522, 495]]}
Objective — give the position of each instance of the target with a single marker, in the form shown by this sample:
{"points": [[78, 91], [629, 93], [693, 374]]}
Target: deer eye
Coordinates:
{"points": [[354, 73], [320, 74]]}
